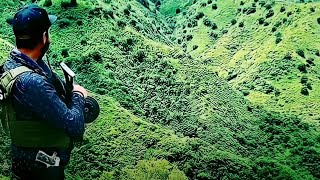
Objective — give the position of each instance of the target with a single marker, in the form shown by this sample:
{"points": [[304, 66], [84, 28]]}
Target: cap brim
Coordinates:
{"points": [[53, 19]]}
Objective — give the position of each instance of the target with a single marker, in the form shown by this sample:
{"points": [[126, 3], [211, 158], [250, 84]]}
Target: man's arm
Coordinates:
{"points": [[40, 96]]}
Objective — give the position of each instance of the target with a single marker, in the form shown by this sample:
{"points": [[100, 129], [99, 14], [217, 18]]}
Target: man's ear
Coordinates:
{"points": [[44, 37]]}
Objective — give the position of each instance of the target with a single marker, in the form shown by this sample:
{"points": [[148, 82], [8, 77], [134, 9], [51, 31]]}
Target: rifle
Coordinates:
{"points": [[91, 108]]}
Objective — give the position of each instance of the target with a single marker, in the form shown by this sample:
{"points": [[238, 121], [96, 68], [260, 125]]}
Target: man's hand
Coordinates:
{"points": [[82, 90]]}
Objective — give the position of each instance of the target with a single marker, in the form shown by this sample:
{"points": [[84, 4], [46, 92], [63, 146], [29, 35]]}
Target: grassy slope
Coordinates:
{"points": [[243, 50], [191, 117]]}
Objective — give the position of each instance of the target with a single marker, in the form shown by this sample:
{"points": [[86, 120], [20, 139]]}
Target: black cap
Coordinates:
{"points": [[31, 20]]}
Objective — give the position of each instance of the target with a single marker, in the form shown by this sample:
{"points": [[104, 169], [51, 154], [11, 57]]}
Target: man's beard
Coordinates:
{"points": [[44, 49]]}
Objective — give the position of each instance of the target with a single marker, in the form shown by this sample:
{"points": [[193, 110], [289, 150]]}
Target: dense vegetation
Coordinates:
{"points": [[181, 85]]}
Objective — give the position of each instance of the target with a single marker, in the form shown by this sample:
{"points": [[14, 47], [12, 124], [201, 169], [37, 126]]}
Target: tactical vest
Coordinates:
{"points": [[27, 133]]}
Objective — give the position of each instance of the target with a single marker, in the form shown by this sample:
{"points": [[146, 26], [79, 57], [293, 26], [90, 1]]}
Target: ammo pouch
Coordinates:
{"points": [[35, 133]]}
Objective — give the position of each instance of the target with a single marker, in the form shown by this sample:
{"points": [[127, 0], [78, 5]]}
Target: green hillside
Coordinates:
{"points": [[263, 48], [184, 93]]}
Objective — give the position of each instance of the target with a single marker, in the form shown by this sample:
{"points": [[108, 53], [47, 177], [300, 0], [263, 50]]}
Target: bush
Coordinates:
{"points": [[302, 68], [79, 22], [287, 56], [199, 15], [213, 35], [194, 47], [274, 29], [304, 79], [63, 23], [233, 21], [189, 37], [126, 12], [178, 10], [207, 22], [121, 23], [47, 3], [270, 13], [289, 14], [209, 1], [108, 13], [268, 6], [241, 3], [214, 26], [241, 24], [282, 9], [278, 40], [312, 9], [140, 56], [310, 61], [318, 20], [251, 10], [309, 85], [304, 91], [224, 31], [65, 53], [300, 52], [261, 20], [214, 6]]}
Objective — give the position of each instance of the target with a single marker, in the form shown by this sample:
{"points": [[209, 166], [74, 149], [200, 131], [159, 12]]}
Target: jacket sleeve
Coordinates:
{"points": [[40, 96]]}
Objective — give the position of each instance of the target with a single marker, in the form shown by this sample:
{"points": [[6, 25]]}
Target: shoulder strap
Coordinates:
{"points": [[9, 77], [6, 82]]}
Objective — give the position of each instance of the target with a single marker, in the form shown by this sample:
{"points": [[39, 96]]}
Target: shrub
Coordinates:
{"points": [[79, 22], [178, 10], [304, 79], [262, 3], [225, 31], [214, 6], [241, 3], [63, 23], [287, 56], [140, 56], [266, 23], [282, 9], [213, 35], [261, 20], [268, 6], [289, 14], [310, 61], [214, 26], [47, 3], [189, 37], [312, 9], [121, 23], [108, 13], [65, 53], [304, 91], [241, 24], [278, 40], [126, 12], [270, 13], [318, 20], [203, 4], [233, 21], [209, 1], [194, 47], [302, 68], [207, 22], [199, 15], [300, 52], [317, 52], [309, 85], [251, 10], [274, 29]]}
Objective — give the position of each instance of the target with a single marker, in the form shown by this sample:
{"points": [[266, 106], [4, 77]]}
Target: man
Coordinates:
{"points": [[42, 125]]}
